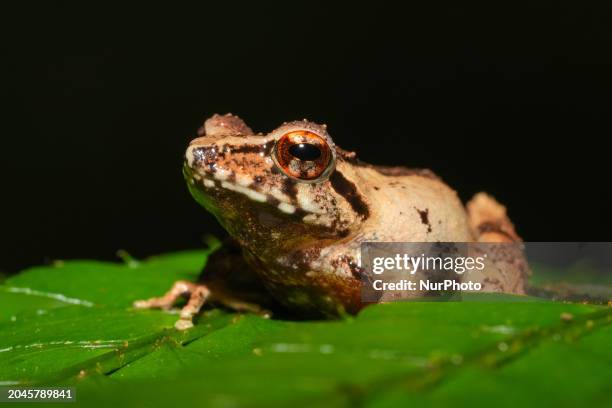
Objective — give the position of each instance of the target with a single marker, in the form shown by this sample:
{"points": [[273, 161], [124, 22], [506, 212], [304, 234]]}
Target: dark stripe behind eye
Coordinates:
{"points": [[348, 190]]}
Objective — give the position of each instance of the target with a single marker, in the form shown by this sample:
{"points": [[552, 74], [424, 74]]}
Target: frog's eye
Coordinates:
{"points": [[303, 155]]}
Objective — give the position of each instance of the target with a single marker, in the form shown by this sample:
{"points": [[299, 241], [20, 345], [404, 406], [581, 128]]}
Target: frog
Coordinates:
{"points": [[297, 208]]}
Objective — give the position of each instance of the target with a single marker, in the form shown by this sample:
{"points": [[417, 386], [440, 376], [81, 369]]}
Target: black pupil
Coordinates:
{"points": [[305, 151]]}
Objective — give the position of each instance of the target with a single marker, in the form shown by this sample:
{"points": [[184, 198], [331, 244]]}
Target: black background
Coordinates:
{"points": [[99, 105]]}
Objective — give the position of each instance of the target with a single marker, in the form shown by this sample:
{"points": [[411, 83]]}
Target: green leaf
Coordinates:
{"points": [[72, 324]]}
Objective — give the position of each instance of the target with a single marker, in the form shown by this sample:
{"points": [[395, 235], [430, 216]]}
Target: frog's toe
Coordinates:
{"points": [[141, 304], [153, 303], [179, 288], [183, 324], [197, 295]]}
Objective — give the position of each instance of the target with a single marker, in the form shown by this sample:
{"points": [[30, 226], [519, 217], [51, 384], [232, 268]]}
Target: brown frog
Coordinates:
{"points": [[297, 208]]}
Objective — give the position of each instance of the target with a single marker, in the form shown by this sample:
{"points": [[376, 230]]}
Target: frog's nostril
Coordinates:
{"points": [[203, 157]]}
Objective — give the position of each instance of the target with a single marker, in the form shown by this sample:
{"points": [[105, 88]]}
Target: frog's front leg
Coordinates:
{"points": [[227, 280], [197, 293]]}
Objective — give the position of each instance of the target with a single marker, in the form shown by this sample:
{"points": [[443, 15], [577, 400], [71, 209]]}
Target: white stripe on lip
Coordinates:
{"points": [[253, 195]]}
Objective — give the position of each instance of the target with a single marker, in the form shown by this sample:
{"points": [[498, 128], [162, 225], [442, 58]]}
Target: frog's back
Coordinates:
{"points": [[409, 206]]}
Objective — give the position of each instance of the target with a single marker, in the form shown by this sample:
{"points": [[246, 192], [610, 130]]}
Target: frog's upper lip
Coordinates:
{"points": [[227, 184]]}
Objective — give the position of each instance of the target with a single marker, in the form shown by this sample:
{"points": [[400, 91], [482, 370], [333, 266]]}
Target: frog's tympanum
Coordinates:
{"points": [[297, 208]]}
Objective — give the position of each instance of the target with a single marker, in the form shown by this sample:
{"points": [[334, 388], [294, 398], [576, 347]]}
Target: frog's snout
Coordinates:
{"points": [[202, 158]]}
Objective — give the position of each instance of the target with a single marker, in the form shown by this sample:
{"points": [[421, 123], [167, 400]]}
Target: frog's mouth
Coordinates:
{"points": [[216, 185]]}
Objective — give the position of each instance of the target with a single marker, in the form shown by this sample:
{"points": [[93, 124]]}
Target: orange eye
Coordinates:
{"points": [[303, 155]]}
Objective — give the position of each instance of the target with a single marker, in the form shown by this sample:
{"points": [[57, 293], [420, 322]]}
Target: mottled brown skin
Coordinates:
{"points": [[297, 242]]}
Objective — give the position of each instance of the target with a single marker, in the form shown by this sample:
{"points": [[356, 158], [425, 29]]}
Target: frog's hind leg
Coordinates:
{"points": [[489, 221], [198, 295], [506, 269]]}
